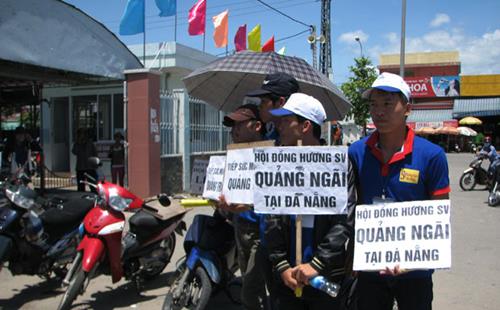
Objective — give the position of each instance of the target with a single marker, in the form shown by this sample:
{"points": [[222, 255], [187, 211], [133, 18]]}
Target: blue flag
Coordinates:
{"points": [[133, 19], [167, 7]]}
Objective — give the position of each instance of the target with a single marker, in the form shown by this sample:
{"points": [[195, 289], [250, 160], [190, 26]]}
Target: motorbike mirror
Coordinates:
{"points": [[164, 200], [94, 162]]}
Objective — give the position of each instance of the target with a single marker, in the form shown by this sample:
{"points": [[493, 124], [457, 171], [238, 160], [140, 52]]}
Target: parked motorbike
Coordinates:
{"points": [[494, 195], [38, 236], [210, 263], [475, 174], [147, 246]]}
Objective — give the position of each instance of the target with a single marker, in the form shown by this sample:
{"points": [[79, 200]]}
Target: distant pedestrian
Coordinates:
{"points": [[84, 148], [19, 152], [117, 156]]}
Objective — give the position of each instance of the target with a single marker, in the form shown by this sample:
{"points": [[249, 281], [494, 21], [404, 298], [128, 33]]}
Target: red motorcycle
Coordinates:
{"points": [[142, 253]]}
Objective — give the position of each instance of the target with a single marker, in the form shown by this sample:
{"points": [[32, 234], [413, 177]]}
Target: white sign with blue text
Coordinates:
{"points": [[215, 177], [413, 235], [301, 180]]}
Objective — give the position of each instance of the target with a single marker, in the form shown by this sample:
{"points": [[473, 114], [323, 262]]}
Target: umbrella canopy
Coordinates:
{"points": [[447, 130], [225, 82], [425, 131], [470, 120], [466, 131]]}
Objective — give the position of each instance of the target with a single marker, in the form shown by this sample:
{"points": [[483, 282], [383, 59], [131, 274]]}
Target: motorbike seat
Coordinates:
{"points": [[145, 225], [65, 213]]}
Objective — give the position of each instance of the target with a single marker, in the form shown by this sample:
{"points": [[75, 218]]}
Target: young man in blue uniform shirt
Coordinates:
{"points": [[393, 164]]}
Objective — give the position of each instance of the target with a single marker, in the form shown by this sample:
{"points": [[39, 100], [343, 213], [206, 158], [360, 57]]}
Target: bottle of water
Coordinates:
{"points": [[322, 284]]}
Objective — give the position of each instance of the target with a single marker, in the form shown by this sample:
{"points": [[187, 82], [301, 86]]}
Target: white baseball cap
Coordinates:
{"points": [[389, 82], [304, 105]]}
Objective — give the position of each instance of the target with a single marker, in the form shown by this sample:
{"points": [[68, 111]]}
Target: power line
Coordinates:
{"points": [[210, 10], [286, 15], [292, 36], [170, 24], [278, 40]]}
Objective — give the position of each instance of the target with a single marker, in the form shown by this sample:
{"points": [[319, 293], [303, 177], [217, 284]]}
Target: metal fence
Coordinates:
{"points": [[169, 123], [205, 130]]}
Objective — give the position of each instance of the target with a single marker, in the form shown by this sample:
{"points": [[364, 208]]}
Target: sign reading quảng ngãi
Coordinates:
{"points": [[301, 180], [413, 235]]}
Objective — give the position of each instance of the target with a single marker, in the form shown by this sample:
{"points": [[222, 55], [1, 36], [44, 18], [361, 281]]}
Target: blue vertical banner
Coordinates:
{"points": [[167, 7], [132, 21]]}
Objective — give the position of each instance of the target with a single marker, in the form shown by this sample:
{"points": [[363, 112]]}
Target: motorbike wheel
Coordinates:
{"points": [[74, 288], [199, 290], [168, 246], [467, 181]]}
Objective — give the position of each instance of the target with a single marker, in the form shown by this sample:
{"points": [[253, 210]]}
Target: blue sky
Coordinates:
{"points": [[471, 27]]}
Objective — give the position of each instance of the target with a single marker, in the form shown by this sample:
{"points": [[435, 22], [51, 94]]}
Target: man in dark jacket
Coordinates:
{"points": [[324, 237]]}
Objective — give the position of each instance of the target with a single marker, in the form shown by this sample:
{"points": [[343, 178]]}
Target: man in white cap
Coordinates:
{"points": [[393, 164], [323, 236]]}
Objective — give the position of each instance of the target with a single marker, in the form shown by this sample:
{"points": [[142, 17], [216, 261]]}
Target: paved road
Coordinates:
{"points": [[472, 283]]}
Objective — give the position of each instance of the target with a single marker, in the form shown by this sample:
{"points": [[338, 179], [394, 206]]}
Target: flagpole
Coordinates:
{"points": [[144, 35], [203, 41], [175, 26]]}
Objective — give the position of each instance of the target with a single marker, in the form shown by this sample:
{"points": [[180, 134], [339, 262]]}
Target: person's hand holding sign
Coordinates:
{"points": [[289, 280], [396, 271], [303, 272], [233, 208]]}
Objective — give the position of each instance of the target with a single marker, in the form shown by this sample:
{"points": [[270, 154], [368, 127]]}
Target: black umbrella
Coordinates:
{"points": [[225, 82]]}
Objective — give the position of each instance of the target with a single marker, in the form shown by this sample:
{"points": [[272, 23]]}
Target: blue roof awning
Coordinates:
{"points": [[430, 115], [476, 107]]}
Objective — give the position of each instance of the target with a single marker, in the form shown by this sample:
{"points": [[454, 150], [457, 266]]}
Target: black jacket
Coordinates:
{"points": [[331, 234]]}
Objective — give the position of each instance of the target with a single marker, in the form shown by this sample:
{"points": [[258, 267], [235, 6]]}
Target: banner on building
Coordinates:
{"points": [[301, 180], [418, 125], [434, 86], [413, 235]]}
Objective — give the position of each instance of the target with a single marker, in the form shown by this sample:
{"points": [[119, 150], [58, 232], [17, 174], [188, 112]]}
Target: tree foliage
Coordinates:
{"points": [[363, 75]]}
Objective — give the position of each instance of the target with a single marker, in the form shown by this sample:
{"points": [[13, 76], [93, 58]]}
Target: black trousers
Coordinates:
{"points": [[378, 293], [80, 176]]}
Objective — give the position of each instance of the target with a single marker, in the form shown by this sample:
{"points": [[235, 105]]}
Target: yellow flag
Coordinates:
{"points": [[254, 39]]}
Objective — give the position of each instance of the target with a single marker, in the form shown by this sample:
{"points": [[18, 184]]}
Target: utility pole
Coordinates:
{"points": [[325, 52]]}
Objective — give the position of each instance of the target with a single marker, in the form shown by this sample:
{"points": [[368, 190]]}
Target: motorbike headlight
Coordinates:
{"points": [[19, 200], [117, 202]]}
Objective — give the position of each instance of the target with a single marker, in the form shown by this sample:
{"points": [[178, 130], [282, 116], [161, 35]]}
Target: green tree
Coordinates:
{"points": [[363, 75]]}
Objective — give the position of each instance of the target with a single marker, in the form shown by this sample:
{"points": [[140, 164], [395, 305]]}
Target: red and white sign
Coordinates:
{"points": [[420, 86]]}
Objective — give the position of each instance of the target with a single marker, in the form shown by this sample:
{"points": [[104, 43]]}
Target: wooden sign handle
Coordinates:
{"points": [[298, 241]]}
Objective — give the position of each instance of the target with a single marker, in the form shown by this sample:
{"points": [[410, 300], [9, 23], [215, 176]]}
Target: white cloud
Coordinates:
{"points": [[439, 20], [478, 54], [350, 37]]}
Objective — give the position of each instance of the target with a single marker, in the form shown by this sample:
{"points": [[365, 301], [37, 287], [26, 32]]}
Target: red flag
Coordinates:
{"points": [[196, 19], [269, 45], [240, 39]]}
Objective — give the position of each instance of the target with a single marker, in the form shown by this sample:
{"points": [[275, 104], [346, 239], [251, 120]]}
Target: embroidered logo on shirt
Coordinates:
{"points": [[409, 176]]}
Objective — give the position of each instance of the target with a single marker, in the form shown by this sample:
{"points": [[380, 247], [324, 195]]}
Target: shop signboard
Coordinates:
{"points": [[434, 86]]}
